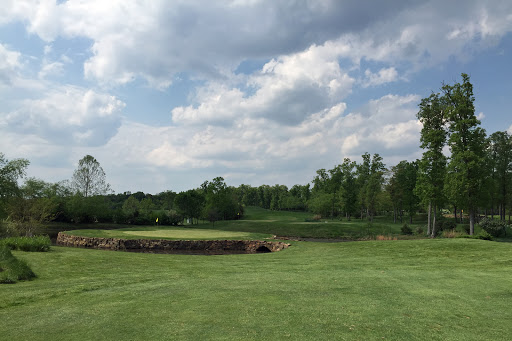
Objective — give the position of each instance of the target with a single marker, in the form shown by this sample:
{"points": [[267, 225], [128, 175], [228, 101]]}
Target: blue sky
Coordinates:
{"points": [[167, 94]]}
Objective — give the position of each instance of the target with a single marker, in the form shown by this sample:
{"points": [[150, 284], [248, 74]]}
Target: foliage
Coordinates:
{"points": [[189, 204], [223, 200], [401, 188], [466, 169], [406, 229], [496, 228], [10, 172], [432, 166], [13, 269], [27, 215], [89, 179], [31, 244]]}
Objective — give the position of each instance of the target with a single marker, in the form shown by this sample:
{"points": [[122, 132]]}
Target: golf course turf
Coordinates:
{"points": [[442, 289]]}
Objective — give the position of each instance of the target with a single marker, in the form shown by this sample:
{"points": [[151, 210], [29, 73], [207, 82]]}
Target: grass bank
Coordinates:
{"points": [[451, 289]]}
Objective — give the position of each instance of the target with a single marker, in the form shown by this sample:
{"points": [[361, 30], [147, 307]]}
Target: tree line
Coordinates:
{"points": [[473, 179]]}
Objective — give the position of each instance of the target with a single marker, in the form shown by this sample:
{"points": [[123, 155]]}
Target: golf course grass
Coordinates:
{"points": [[172, 233], [442, 289]]}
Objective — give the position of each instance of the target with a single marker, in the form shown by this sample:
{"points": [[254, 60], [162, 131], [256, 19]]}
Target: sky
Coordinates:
{"points": [[168, 94]]}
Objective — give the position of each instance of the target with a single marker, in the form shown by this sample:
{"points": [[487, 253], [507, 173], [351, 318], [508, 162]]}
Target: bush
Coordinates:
{"points": [[484, 235], [466, 228], [451, 234], [495, 228], [406, 229], [32, 244], [443, 224], [13, 269], [420, 231]]}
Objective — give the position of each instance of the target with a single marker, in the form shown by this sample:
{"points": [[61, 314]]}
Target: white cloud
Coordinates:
{"points": [[10, 65], [385, 75], [68, 115], [288, 89], [155, 40]]}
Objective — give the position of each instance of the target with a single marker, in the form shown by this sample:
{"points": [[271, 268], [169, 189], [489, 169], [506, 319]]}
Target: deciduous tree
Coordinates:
{"points": [[89, 178]]}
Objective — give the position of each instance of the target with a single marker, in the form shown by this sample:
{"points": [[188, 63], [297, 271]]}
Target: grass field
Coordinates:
{"points": [[443, 289]]}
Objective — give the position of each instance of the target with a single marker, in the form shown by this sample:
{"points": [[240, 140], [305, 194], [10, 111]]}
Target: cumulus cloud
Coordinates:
{"points": [[385, 75], [68, 115], [10, 65], [287, 89], [155, 40], [293, 112]]}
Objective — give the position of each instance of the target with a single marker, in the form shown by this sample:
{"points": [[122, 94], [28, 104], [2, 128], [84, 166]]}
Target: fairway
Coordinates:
{"points": [[189, 234], [424, 289], [451, 289]]}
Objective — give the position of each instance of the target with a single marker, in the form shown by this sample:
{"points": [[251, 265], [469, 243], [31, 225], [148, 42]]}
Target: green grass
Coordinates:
{"points": [[13, 269], [32, 244], [295, 224], [442, 289], [172, 233], [449, 289]]}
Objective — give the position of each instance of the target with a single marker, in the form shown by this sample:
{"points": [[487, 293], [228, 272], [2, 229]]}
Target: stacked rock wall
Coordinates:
{"points": [[171, 246]]}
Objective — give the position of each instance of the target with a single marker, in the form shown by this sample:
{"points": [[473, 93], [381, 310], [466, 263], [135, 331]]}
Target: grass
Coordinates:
{"points": [[33, 244], [450, 289], [442, 289], [294, 224], [13, 269], [167, 232]]}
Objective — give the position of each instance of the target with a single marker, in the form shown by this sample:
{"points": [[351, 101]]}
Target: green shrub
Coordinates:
{"points": [[31, 244], [13, 269], [420, 231], [406, 229], [495, 228], [466, 228], [484, 235], [443, 224]]}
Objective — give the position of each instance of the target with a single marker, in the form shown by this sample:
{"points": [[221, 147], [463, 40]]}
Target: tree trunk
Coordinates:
{"points": [[429, 217], [471, 222], [455, 213], [434, 223]]}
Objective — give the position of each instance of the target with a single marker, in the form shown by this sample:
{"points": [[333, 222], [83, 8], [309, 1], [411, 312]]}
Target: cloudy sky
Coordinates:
{"points": [[167, 94]]}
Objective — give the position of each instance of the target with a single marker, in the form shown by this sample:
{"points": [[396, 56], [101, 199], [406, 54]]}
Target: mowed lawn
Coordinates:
{"points": [[445, 289]]}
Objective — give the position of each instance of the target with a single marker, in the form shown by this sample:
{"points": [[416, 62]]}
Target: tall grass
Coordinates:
{"points": [[31, 244], [13, 269]]}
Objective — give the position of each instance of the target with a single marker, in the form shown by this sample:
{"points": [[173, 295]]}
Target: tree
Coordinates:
{"points": [[432, 166], [10, 172], [374, 185], [349, 188], [500, 160], [89, 178], [467, 142], [190, 203], [401, 189]]}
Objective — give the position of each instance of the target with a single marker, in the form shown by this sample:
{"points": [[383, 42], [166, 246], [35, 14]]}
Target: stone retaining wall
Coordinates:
{"points": [[171, 246]]}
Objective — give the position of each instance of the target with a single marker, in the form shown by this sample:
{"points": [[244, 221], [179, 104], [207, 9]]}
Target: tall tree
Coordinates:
{"points": [[467, 143], [89, 178], [401, 189], [10, 172], [500, 158], [432, 166], [349, 188], [374, 184]]}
